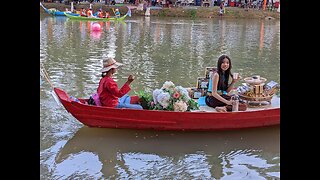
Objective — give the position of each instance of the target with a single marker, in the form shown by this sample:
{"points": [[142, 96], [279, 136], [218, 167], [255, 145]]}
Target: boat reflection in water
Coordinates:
{"points": [[120, 153]]}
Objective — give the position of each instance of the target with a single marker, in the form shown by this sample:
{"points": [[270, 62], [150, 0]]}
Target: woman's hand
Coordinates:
{"points": [[130, 78], [230, 102], [236, 80]]}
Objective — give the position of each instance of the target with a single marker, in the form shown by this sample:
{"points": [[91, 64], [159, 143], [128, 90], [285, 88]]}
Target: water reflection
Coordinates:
{"points": [[134, 154], [261, 36], [96, 35], [177, 50], [154, 50]]}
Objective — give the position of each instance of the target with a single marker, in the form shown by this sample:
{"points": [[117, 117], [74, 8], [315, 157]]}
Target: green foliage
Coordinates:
{"points": [[163, 13], [145, 98], [193, 105], [193, 13], [158, 107]]}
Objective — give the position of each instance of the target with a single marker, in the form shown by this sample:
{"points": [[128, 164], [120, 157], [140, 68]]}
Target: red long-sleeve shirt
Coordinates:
{"points": [[109, 93]]}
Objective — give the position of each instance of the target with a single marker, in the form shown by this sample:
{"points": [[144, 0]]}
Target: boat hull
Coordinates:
{"points": [[104, 117], [95, 19], [59, 13]]}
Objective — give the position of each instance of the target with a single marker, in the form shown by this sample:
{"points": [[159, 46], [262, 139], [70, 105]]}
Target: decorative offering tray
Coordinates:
{"points": [[255, 92], [253, 81]]}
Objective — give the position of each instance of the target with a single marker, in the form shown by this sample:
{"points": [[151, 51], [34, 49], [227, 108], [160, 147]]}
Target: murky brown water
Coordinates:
{"points": [[154, 50]]}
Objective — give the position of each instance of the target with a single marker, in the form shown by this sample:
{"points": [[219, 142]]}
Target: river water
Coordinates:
{"points": [[154, 50]]}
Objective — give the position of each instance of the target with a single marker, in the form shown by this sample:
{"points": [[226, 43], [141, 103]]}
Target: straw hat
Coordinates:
{"points": [[110, 63]]}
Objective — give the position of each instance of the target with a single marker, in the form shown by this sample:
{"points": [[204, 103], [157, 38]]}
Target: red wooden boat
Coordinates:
{"points": [[104, 117]]}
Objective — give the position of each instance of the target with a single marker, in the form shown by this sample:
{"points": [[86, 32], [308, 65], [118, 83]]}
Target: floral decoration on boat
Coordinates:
{"points": [[169, 97]]}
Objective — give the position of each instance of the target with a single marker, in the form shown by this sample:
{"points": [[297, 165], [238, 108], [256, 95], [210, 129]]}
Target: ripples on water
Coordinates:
{"points": [[154, 50], [158, 155]]}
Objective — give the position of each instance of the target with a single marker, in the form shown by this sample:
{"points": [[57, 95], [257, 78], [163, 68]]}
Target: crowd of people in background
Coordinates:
{"points": [[99, 14], [247, 4]]}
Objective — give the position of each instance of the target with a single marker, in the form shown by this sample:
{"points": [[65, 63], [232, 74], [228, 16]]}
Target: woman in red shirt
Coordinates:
{"points": [[109, 94]]}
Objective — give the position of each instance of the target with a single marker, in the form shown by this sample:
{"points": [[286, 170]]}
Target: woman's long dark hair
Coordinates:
{"points": [[223, 76]]}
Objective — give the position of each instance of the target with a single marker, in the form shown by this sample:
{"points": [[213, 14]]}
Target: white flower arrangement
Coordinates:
{"points": [[164, 99], [168, 85], [172, 98], [180, 106], [155, 94]]}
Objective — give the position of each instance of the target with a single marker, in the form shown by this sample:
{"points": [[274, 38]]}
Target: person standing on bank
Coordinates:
{"points": [[221, 8], [109, 94], [219, 98]]}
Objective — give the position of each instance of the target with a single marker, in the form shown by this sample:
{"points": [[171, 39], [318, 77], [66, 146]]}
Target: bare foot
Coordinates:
{"points": [[221, 109]]}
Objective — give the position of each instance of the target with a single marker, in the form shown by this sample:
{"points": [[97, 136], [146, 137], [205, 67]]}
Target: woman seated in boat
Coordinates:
{"points": [[52, 10], [67, 11], [90, 13], [219, 98], [117, 13], [100, 14], [75, 11], [221, 9], [83, 12], [109, 94], [107, 14]]}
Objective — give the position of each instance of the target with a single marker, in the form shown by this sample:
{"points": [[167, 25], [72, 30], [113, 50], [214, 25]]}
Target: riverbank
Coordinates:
{"points": [[186, 11]]}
